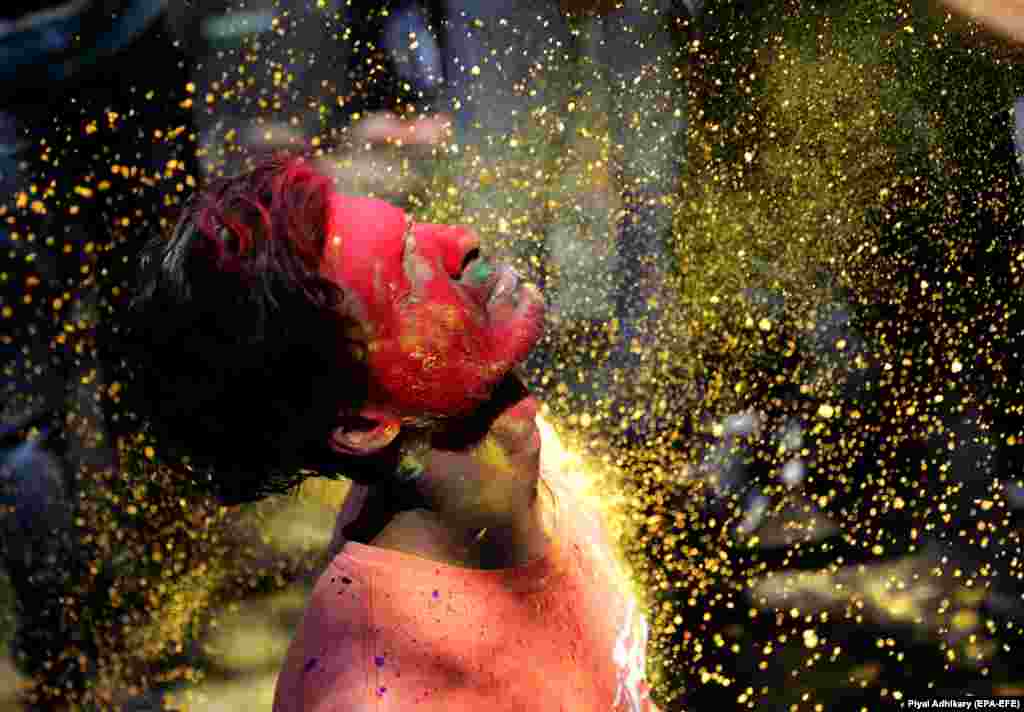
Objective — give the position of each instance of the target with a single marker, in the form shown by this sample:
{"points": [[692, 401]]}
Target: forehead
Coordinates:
{"points": [[364, 242]]}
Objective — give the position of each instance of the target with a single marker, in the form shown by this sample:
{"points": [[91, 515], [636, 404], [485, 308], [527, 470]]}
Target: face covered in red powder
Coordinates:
{"points": [[444, 325]]}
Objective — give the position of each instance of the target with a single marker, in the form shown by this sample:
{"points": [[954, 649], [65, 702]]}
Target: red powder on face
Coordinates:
{"points": [[438, 343]]}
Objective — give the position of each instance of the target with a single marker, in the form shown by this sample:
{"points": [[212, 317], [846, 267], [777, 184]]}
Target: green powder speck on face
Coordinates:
{"points": [[481, 271]]}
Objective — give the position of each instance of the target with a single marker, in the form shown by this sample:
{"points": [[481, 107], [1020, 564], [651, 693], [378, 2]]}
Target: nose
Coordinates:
{"points": [[449, 244]]}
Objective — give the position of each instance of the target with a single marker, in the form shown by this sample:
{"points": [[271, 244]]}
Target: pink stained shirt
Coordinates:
{"points": [[388, 631]]}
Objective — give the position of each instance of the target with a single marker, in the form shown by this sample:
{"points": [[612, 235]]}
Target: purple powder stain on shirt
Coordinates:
{"points": [[381, 691], [437, 594], [379, 660], [310, 664]]}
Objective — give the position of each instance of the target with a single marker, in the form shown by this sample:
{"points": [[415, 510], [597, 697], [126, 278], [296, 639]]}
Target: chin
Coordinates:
{"points": [[517, 425], [522, 324], [531, 304]]}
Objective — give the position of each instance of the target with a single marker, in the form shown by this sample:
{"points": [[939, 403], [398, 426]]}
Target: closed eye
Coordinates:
{"points": [[472, 255]]}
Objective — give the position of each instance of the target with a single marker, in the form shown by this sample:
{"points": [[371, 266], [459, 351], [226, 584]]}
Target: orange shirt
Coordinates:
{"points": [[388, 631]]}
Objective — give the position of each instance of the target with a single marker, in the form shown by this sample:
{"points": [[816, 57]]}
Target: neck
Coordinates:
{"points": [[477, 506], [420, 532]]}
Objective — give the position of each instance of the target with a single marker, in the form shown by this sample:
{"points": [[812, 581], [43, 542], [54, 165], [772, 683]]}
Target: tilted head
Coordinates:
{"points": [[286, 327]]}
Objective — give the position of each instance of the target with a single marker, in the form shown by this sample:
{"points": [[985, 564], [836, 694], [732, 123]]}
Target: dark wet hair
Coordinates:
{"points": [[239, 346]]}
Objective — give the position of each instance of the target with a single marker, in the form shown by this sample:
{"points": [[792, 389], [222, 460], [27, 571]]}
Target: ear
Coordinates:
{"points": [[365, 433]]}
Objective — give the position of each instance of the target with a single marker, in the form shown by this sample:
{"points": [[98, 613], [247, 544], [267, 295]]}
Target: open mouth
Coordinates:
{"points": [[505, 286]]}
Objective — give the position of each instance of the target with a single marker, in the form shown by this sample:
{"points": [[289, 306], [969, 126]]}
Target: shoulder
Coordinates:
{"points": [[323, 668], [344, 657]]}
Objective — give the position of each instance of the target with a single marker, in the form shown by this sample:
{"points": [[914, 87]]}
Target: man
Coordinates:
{"points": [[285, 327]]}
